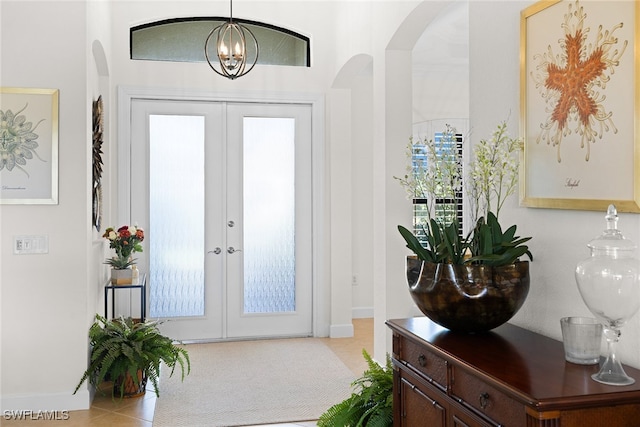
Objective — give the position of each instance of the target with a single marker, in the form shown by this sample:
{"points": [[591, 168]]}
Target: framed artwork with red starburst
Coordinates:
{"points": [[579, 105], [28, 146]]}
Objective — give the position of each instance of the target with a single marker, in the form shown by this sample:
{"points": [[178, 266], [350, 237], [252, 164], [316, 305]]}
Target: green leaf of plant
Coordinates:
{"points": [[414, 244]]}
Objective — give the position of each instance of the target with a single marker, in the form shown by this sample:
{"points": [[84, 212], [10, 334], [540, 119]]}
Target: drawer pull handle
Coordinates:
{"points": [[484, 400], [422, 360], [434, 403]]}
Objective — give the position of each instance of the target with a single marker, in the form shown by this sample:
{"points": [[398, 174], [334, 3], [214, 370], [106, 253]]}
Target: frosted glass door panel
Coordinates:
{"points": [[269, 215], [176, 215], [269, 272]]}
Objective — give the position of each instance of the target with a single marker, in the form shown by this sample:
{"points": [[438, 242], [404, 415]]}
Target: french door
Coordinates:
{"points": [[224, 191]]}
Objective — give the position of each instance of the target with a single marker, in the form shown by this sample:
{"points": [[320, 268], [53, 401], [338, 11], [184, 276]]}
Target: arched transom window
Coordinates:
{"points": [[182, 40]]}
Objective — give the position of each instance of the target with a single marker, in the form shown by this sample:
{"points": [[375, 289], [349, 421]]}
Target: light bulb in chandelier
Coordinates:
{"points": [[238, 52], [223, 52]]}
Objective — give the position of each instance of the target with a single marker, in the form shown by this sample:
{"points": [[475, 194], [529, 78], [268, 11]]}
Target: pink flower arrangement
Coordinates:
{"points": [[126, 241]]}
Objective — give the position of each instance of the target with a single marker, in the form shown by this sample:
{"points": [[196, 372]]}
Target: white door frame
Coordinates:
{"points": [[320, 287]]}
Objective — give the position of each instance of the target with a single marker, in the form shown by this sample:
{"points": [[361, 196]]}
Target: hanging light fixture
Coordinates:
{"points": [[231, 51]]}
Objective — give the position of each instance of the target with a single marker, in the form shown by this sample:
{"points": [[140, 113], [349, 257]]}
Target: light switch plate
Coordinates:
{"points": [[30, 245]]}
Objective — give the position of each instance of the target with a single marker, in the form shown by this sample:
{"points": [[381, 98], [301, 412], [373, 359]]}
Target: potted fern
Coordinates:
{"points": [[370, 405], [130, 353], [477, 282]]}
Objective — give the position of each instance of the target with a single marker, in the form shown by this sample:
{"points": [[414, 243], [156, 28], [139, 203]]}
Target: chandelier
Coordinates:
{"points": [[232, 58]]}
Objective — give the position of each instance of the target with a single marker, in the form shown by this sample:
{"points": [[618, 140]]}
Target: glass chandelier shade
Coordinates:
{"points": [[233, 47]]}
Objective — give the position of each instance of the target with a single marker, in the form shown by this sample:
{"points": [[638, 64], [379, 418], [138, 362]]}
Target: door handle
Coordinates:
{"points": [[231, 250], [216, 251]]}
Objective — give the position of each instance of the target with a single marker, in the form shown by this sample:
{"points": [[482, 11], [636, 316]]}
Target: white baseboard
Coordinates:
{"points": [[341, 331], [346, 330], [362, 312], [54, 404]]}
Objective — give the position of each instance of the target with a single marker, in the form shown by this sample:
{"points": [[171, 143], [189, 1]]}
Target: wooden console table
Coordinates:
{"points": [[508, 377]]}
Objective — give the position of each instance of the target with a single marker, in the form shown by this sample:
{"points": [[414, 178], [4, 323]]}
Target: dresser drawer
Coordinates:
{"points": [[420, 405], [432, 367], [476, 394]]}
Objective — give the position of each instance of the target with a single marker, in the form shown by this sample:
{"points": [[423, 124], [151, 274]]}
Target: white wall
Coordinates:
{"points": [[48, 300], [440, 64], [559, 236], [341, 257], [362, 196]]}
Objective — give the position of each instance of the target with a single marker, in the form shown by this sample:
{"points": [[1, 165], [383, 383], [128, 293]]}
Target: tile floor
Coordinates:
{"points": [[139, 412]]}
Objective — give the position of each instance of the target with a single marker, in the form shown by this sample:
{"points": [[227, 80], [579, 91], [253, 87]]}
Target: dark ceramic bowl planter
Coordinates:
{"points": [[468, 298]]}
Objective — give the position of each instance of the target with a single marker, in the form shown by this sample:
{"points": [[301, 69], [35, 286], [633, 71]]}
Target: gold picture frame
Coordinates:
{"points": [[28, 146], [579, 105]]}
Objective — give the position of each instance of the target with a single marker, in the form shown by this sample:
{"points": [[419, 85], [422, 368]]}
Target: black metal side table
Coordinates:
{"points": [[141, 285]]}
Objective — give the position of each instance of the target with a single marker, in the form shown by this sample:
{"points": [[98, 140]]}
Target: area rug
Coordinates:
{"points": [[253, 382]]}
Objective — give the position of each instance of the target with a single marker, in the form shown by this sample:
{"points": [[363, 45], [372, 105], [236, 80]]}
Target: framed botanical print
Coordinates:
{"points": [[579, 105], [28, 146]]}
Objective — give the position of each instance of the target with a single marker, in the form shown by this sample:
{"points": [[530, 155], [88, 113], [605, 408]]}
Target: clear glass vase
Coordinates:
{"points": [[609, 283]]}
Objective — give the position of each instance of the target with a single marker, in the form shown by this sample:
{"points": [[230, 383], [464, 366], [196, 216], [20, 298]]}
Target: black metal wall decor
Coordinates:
{"points": [[98, 121]]}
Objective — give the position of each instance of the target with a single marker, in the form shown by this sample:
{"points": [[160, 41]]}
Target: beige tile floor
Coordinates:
{"points": [[104, 412]]}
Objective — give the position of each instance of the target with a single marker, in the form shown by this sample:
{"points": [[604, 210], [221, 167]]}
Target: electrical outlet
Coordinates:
{"points": [[354, 280], [30, 245]]}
